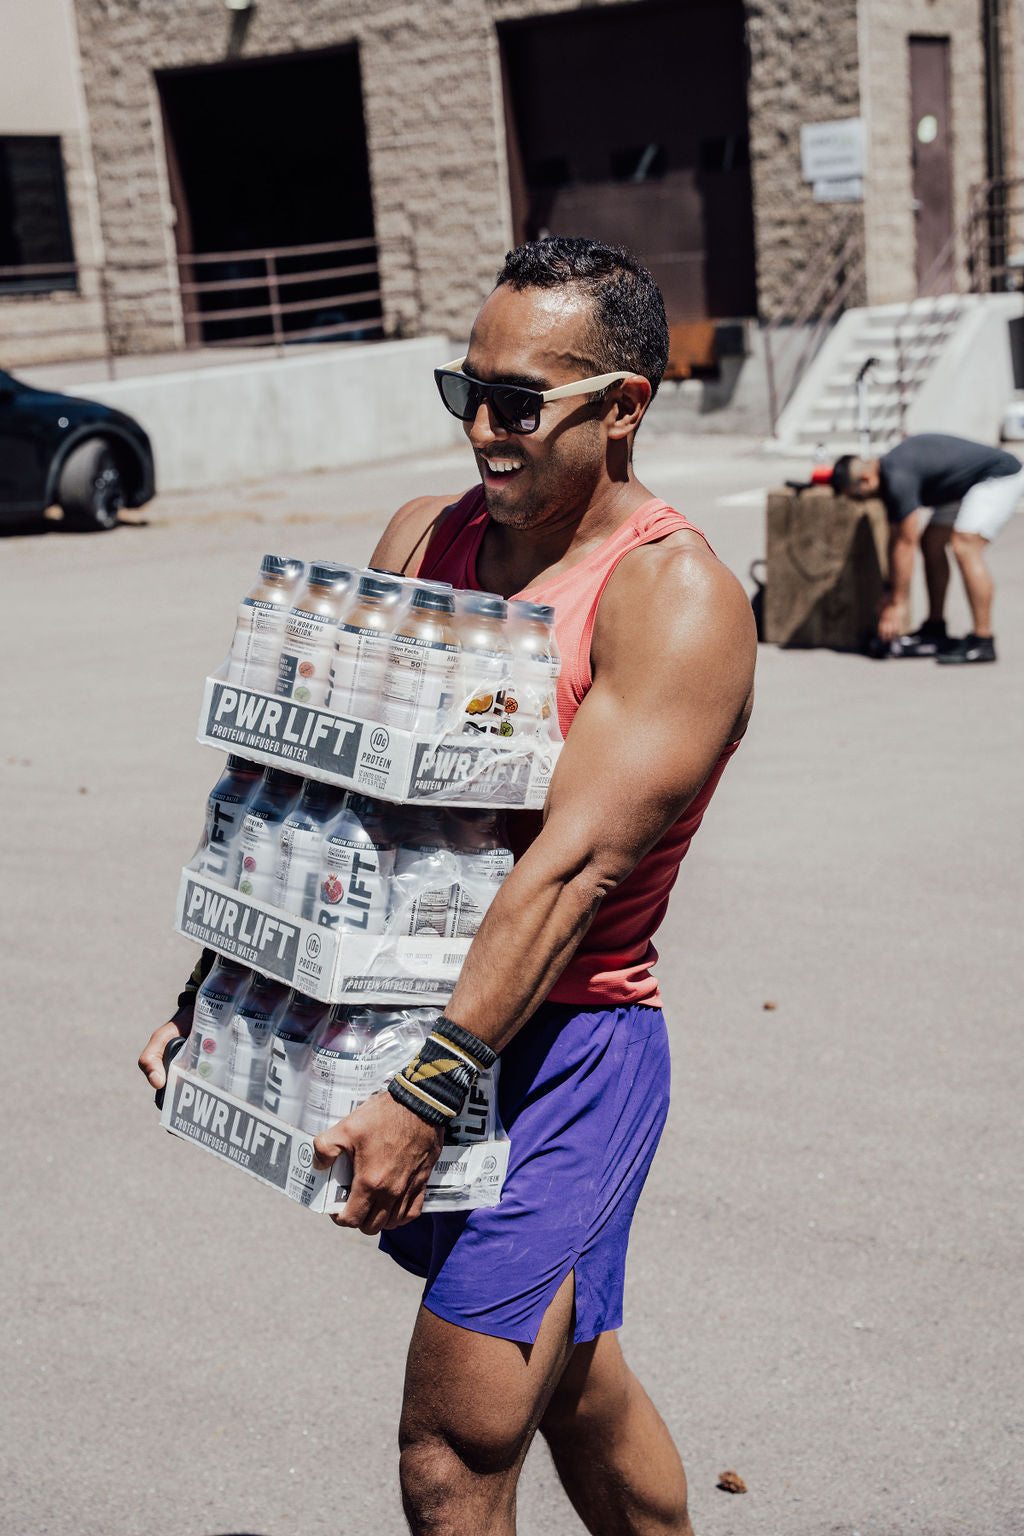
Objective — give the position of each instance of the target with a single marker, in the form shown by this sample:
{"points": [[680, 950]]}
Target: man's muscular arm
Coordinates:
{"points": [[673, 656]]}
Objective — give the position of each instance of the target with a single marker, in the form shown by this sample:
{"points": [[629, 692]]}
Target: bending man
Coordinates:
{"points": [[971, 491]]}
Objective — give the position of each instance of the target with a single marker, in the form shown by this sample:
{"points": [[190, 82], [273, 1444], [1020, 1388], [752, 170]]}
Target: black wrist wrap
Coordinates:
{"points": [[436, 1082], [202, 969]]}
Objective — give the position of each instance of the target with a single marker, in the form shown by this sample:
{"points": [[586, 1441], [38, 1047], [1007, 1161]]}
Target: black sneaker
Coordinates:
{"points": [[930, 640], [970, 648]]}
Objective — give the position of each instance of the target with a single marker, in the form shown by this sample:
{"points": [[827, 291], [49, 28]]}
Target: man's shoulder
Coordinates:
{"points": [[404, 541], [676, 576]]}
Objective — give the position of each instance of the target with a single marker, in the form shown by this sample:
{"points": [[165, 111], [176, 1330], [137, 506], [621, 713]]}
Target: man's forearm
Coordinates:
{"points": [[527, 938], [901, 567]]}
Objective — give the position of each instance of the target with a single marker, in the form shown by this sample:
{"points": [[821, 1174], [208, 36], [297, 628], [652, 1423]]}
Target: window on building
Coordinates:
{"points": [[34, 226]]}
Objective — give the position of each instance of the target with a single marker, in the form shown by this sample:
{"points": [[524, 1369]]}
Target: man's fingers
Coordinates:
{"points": [[329, 1143], [151, 1058]]}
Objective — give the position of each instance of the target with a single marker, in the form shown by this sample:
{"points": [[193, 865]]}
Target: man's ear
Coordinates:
{"points": [[630, 400]]}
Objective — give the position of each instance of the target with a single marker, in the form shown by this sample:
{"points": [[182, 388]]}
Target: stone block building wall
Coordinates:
{"points": [[885, 87], [435, 127], [803, 69], [40, 94]]}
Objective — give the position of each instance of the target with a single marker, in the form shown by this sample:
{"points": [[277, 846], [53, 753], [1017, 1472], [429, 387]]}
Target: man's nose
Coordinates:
{"points": [[485, 427]]}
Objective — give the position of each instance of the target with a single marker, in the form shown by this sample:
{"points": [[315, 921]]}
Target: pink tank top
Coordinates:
{"points": [[613, 965]]}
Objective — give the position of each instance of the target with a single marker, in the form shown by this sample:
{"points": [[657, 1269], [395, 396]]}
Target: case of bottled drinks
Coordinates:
{"points": [[397, 687], [266, 1068], [337, 894]]}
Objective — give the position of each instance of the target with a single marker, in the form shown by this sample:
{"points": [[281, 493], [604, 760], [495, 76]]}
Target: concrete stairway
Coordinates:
{"points": [[912, 338]]}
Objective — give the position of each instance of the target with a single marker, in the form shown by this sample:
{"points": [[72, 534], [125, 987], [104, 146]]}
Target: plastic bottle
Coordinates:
{"points": [[485, 662], [252, 1026], [272, 802], [291, 1048], [220, 849], [307, 651], [425, 870], [209, 1042], [531, 706], [299, 858], [357, 866], [356, 1056], [259, 629], [362, 641], [483, 859], [422, 672]]}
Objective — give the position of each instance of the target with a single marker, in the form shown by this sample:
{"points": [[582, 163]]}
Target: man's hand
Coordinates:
{"points": [[892, 619], [392, 1153], [151, 1059]]}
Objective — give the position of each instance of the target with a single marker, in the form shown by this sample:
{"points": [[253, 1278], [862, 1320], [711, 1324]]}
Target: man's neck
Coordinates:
{"points": [[512, 559]]}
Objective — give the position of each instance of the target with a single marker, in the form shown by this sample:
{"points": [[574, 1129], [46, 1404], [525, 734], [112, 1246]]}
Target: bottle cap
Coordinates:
{"points": [[436, 600], [327, 573], [377, 586], [278, 778], [281, 565], [526, 610], [488, 604], [238, 764]]}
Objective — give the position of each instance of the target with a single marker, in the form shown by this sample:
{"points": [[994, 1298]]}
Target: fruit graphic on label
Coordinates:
{"points": [[306, 669], [209, 1045], [302, 694], [332, 890], [480, 704], [205, 1068], [511, 704], [249, 864], [245, 886], [505, 728]]}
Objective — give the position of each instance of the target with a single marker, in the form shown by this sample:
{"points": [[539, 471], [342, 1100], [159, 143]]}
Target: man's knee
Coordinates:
{"points": [[446, 1479], [967, 543]]}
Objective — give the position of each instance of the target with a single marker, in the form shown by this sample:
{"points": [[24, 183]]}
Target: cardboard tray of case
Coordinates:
{"points": [[375, 759], [467, 1174], [332, 964]]}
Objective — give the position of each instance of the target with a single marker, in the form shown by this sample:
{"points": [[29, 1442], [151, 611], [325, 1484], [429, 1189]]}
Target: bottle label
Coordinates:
{"points": [[298, 869], [354, 885], [419, 683], [257, 644], [259, 856], [304, 668], [357, 669]]}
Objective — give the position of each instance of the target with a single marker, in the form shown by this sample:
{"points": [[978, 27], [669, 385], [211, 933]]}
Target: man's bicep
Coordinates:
{"points": [[641, 747]]}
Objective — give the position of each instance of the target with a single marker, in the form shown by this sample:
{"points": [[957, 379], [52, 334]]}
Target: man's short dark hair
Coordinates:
{"points": [[842, 473], [629, 328]]}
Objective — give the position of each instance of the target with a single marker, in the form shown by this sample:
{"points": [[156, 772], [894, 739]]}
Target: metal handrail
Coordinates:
{"points": [[272, 320], [819, 296]]}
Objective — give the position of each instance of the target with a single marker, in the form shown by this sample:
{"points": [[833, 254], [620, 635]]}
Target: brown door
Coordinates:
{"points": [[930, 149]]}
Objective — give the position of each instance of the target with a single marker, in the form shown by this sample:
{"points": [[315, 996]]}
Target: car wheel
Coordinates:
{"points": [[90, 489]]}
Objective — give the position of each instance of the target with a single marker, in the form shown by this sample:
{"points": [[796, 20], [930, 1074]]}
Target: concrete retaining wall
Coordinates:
{"points": [[243, 421]]}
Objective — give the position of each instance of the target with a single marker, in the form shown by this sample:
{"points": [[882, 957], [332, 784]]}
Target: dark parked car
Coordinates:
{"points": [[60, 450]]}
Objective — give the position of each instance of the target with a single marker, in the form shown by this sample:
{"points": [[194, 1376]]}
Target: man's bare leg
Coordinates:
{"points": [[935, 550], [969, 549], [612, 1450], [472, 1407]]}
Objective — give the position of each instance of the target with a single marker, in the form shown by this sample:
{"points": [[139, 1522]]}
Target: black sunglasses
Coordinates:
{"points": [[517, 409]]}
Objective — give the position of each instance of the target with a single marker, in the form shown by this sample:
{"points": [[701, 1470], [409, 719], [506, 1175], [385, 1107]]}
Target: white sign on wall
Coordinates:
{"points": [[832, 151]]}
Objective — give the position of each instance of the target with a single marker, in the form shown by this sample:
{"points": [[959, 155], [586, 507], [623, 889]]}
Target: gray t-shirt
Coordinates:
{"points": [[932, 469]]}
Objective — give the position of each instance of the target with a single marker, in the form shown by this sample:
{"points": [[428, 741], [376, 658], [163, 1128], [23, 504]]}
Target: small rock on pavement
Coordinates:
{"points": [[731, 1482], [769, 1007]]}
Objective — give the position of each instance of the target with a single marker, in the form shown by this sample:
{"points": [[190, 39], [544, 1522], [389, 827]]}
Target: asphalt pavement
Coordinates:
{"points": [[824, 1291]]}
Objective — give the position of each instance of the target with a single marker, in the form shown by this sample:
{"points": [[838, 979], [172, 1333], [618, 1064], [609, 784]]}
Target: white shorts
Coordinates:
{"points": [[986, 509]]}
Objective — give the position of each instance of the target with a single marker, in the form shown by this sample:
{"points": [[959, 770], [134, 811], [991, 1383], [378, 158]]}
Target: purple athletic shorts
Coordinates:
{"points": [[583, 1095]]}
